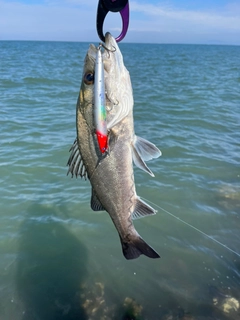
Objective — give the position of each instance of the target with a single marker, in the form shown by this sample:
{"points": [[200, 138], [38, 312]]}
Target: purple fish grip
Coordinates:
{"points": [[125, 22]]}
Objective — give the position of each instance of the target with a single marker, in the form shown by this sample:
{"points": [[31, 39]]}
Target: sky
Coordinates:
{"points": [[152, 21]]}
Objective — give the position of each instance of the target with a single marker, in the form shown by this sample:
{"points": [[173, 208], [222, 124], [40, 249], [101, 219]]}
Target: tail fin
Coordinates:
{"points": [[136, 246]]}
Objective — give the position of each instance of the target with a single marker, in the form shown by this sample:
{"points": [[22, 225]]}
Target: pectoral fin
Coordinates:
{"points": [[75, 163], [142, 209], [144, 150], [95, 203]]}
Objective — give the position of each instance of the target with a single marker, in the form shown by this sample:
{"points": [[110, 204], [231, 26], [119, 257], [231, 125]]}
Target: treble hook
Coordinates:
{"points": [[104, 6]]}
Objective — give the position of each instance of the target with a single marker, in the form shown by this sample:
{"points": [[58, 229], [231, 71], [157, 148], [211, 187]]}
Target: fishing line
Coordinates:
{"points": [[191, 226]]}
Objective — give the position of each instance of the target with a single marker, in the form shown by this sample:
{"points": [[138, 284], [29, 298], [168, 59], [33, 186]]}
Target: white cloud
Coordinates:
{"points": [[227, 20], [160, 23], [45, 21]]}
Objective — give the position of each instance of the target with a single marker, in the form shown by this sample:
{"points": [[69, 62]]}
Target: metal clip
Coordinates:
{"points": [[104, 6]]}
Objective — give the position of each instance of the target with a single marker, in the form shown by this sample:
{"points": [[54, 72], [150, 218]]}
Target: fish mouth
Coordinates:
{"points": [[110, 42], [112, 54], [110, 49]]}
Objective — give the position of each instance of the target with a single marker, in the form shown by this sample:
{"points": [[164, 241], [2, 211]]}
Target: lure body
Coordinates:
{"points": [[100, 117]]}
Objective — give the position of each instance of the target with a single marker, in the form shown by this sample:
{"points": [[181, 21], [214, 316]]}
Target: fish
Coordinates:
{"points": [[111, 173]]}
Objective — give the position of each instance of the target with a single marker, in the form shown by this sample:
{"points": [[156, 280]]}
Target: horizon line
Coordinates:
{"points": [[124, 42]]}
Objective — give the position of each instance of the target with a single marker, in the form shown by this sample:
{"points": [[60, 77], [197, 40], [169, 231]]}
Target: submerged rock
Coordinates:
{"points": [[229, 196], [226, 304], [97, 308], [230, 304], [94, 302], [133, 310]]}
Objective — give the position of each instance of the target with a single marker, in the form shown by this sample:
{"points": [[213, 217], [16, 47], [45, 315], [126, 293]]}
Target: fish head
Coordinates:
{"points": [[119, 95], [115, 70]]}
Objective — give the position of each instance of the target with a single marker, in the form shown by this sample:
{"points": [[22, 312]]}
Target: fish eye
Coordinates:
{"points": [[88, 78]]}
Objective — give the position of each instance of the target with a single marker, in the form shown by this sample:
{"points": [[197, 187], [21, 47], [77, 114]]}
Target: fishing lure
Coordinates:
{"points": [[100, 116]]}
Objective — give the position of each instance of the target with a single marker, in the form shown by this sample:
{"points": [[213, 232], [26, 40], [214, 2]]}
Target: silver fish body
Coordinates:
{"points": [[111, 174]]}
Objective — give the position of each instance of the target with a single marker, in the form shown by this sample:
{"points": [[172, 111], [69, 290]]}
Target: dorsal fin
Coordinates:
{"points": [[142, 209], [75, 162]]}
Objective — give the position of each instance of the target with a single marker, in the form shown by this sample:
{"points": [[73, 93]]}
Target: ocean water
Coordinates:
{"points": [[59, 259]]}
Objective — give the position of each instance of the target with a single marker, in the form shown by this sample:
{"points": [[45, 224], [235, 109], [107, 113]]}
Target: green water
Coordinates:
{"points": [[59, 259]]}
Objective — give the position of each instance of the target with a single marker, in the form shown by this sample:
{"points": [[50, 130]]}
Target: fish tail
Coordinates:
{"points": [[134, 247]]}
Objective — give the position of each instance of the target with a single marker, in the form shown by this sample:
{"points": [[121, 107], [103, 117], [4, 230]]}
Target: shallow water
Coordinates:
{"points": [[59, 259]]}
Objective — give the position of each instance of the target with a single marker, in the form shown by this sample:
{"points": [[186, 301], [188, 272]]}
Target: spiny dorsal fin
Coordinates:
{"points": [[142, 209], [144, 150], [75, 163], [95, 203]]}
